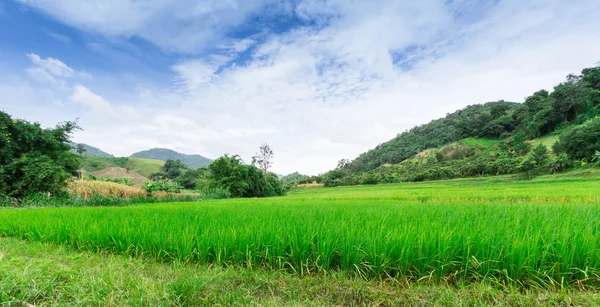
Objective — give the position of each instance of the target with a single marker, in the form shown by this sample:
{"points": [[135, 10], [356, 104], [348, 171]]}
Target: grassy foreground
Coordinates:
{"points": [[542, 234], [48, 275]]}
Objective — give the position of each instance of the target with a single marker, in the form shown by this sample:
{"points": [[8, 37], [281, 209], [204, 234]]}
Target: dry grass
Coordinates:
{"points": [[309, 186], [87, 189]]}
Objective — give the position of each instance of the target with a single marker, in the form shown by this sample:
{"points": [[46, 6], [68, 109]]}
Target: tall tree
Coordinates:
{"points": [[263, 159], [81, 149]]}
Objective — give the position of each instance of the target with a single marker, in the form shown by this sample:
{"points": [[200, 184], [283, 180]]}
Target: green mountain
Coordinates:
{"points": [[90, 150], [163, 154]]}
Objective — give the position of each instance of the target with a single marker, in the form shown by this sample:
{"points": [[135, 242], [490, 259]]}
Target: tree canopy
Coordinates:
{"points": [[34, 159]]}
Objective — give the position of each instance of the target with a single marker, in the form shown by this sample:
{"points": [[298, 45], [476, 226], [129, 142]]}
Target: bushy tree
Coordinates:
{"points": [[241, 180], [580, 142], [34, 159]]}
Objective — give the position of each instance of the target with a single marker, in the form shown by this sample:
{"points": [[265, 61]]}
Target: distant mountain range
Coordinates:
{"points": [[192, 161], [91, 151]]}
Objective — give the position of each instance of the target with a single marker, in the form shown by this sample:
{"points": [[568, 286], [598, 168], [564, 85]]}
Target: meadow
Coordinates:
{"points": [[542, 233]]}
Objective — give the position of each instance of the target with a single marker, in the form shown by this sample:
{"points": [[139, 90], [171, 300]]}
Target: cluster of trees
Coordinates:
{"points": [[34, 159], [572, 102], [231, 174], [227, 176]]}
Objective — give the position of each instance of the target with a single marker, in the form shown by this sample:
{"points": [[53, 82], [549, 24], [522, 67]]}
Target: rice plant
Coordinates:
{"points": [[539, 233]]}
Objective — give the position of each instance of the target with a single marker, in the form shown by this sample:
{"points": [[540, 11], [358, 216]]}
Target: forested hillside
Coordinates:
{"points": [[163, 154], [572, 109]]}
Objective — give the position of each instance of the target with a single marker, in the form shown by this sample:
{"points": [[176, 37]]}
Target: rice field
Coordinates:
{"points": [[543, 233]]}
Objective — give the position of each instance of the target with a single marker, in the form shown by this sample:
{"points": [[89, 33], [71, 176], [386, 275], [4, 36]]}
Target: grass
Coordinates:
{"points": [[144, 167], [547, 141], [49, 275], [541, 233], [483, 143]]}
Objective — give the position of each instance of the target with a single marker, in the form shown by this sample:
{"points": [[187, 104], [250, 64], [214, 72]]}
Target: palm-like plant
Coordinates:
{"points": [[596, 158]]}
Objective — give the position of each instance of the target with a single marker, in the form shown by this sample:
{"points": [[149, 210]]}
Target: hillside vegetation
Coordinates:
{"points": [[163, 154], [572, 109]]}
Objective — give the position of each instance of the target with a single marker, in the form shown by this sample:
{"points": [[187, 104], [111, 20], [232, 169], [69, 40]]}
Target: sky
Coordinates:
{"points": [[317, 80]]}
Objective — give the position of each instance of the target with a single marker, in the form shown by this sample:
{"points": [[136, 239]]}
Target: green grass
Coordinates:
{"points": [[144, 167], [547, 141], [48, 275], [541, 233], [94, 163], [483, 143]]}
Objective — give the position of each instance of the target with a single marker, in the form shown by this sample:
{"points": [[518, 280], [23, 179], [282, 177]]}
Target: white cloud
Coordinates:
{"points": [[366, 72], [182, 25], [53, 71]]}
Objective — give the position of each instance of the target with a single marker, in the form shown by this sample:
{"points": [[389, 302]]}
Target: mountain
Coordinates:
{"points": [[163, 154], [90, 150]]}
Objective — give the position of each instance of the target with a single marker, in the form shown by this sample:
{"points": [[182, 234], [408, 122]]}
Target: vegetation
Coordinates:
{"points": [[573, 102], [89, 150], [239, 179], [163, 154], [453, 231], [47, 275], [33, 159]]}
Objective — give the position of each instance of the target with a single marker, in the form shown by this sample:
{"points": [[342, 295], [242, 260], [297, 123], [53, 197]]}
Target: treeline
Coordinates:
{"points": [[572, 102]]}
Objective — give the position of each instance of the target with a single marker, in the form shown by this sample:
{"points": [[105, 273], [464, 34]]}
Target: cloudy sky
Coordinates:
{"points": [[318, 80]]}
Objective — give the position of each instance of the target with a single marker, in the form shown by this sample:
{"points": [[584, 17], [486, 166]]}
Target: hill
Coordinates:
{"points": [[90, 150], [163, 154], [142, 167], [572, 102]]}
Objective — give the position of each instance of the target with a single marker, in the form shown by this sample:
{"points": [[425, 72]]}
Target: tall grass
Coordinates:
{"points": [[541, 233]]}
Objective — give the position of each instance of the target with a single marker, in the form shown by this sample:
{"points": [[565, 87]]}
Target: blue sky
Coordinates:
{"points": [[317, 80]]}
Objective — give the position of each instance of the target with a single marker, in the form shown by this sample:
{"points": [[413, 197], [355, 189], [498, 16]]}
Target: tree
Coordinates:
{"points": [[81, 149], [241, 180], [33, 159], [263, 159], [539, 156]]}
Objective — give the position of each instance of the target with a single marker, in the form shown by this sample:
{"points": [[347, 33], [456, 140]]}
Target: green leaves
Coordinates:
{"points": [[33, 159]]}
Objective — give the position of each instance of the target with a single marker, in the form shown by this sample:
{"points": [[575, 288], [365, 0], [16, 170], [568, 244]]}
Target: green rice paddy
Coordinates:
{"points": [[534, 233]]}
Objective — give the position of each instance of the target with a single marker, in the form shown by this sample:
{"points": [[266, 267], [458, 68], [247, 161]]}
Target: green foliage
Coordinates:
{"points": [[293, 180], [188, 179], [560, 163], [125, 181], [33, 159], [241, 180], [166, 186], [539, 156], [580, 142]]}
